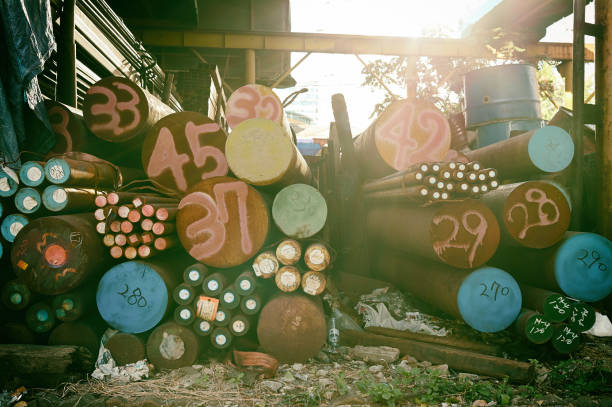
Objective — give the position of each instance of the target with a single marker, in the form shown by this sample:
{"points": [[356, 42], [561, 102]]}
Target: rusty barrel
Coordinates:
{"points": [[183, 149], [259, 152], [546, 150], [134, 296], [488, 299], [56, 254], [299, 211], [533, 214], [255, 101], [222, 222], [171, 346], [461, 234], [126, 348], [408, 132], [292, 327], [115, 109], [578, 265]]}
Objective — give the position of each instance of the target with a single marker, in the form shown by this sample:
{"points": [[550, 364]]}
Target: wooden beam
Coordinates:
{"points": [[344, 44]]}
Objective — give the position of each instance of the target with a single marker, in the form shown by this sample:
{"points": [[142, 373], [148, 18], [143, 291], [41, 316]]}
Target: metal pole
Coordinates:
{"points": [[603, 96], [66, 61], [578, 105], [250, 70]]}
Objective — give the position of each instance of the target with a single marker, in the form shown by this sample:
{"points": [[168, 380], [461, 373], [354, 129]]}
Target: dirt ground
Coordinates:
{"points": [[338, 379]]}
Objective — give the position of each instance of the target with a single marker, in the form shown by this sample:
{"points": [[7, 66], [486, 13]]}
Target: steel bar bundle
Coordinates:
{"points": [[408, 132], [430, 182], [461, 234]]}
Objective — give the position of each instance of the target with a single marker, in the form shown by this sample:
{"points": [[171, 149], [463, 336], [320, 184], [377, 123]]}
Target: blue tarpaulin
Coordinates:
{"points": [[26, 43]]}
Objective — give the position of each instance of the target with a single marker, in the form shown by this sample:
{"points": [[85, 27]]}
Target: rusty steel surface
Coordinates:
{"points": [[126, 348], [55, 254], [292, 327], [183, 149], [171, 346], [462, 234], [534, 214], [115, 109], [408, 132], [222, 222]]}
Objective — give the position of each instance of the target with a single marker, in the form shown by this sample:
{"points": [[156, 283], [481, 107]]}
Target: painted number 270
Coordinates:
{"points": [[493, 290]]}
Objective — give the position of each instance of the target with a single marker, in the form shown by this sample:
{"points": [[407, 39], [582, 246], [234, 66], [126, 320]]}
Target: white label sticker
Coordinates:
{"points": [[288, 251], [228, 298], [316, 256], [34, 174], [221, 339], [220, 316], [184, 294], [204, 326], [250, 304], [15, 228], [4, 184], [312, 284], [60, 195], [185, 314], [171, 347], [245, 285], [213, 285], [238, 326], [267, 266], [194, 275], [29, 203], [288, 279], [56, 172]]}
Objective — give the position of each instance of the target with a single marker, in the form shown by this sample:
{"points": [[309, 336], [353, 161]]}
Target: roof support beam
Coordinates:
{"points": [[345, 44]]}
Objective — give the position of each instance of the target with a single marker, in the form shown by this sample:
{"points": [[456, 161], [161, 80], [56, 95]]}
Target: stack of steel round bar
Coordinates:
{"points": [[431, 182], [136, 225], [220, 304], [293, 268]]}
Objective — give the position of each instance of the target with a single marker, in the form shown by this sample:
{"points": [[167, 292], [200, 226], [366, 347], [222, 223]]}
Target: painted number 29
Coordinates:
{"points": [[471, 246], [593, 259]]}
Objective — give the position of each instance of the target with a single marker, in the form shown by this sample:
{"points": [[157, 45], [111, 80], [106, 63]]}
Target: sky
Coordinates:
{"points": [[326, 74]]}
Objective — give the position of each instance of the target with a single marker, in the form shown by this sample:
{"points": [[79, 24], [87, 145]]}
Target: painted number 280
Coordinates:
{"points": [[136, 297]]}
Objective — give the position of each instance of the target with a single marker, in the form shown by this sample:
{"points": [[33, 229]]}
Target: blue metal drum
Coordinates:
{"points": [[501, 93], [495, 132]]}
